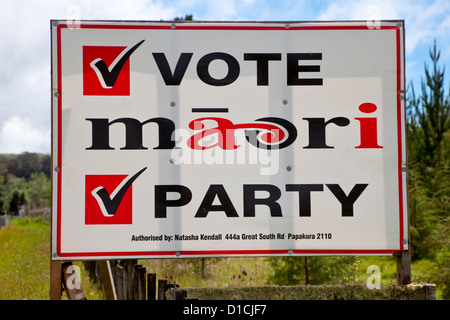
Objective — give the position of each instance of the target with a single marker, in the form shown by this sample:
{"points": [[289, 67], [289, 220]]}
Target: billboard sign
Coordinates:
{"points": [[227, 139]]}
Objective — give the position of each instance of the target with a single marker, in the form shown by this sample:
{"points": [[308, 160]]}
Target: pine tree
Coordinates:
{"points": [[428, 120], [428, 150], [428, 138]]}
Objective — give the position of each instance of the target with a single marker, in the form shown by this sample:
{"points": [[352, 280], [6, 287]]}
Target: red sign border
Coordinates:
{"points": [[235, 27]]}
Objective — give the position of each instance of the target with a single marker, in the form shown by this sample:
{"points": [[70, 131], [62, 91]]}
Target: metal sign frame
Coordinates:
{"points": [[62, 75]]}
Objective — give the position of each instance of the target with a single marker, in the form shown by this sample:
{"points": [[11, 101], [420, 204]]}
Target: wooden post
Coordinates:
{"points": [[161, 289], [403, 267], [404, 260], [117, 271], [55, 265], [139, 282], [72, 284], [129, 271], [118, 281], [141, 271], [151, 286], [125, 279], [135, 282], [55, 279], [107, 280], [180, 294]]}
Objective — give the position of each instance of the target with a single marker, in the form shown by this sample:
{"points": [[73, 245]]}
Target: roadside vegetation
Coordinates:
{"points": [[25, 268], [25, 262]]}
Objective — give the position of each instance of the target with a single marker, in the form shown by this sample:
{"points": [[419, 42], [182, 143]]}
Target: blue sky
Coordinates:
{"points": [[25, 43]]}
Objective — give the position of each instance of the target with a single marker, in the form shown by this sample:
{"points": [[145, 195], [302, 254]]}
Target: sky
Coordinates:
{"points": [[25, 107]]}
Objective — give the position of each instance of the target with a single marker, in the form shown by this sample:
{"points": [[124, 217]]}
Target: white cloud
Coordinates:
{"points": [[25, 58], [361, 10], [424, 20], [18, 135]]}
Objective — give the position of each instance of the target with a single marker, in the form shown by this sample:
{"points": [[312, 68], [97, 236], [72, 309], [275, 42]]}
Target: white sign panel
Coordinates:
{"points": [[225, 139]]}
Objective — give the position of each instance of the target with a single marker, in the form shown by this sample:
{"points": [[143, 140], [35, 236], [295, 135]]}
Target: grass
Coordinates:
{"points": [[22, 269], [25, 264], [25, 267], [211, 272], [255, 271]]}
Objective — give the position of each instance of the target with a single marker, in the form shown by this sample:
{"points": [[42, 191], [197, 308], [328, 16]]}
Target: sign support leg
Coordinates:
{"points": [[107, 279], [403, 267], [55, 279], [71, 282]]}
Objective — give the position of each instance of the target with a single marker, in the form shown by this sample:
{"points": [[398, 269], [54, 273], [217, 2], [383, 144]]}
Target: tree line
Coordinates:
{"points": [[24, 180], [428, 148]]}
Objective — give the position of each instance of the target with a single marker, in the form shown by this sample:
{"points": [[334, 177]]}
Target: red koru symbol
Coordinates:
{"points": [[268, 134]]}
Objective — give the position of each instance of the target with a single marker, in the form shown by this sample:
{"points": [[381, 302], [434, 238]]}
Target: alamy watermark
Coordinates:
{"points": [[374, 12], [374, 280], [73, 280], [243, 151], [74, 17]]}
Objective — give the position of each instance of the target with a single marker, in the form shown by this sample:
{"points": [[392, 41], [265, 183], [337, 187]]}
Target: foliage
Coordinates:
{"points": [[218, 272], [188, 17], [428, 148], [312, 270], [25, 164], [24, 262], [302, 292], [13, 194], [24, 180], [39, 190]]}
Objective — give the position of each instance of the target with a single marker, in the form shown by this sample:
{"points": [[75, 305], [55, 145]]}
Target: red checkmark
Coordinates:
{"points": [[108, 75], [110, 203], [109, 198], [106, 70]]}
